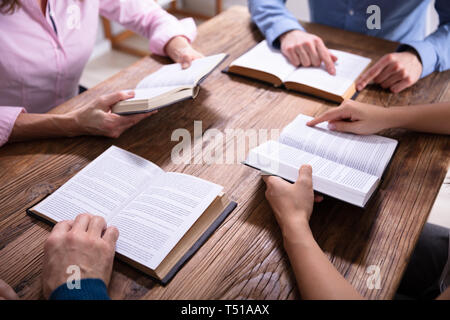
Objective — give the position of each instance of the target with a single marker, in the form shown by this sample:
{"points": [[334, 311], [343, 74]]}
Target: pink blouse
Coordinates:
{"points": [[42, 57]]}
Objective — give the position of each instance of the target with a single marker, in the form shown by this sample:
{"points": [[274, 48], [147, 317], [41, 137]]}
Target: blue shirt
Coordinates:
{"points": [[401, 20]]}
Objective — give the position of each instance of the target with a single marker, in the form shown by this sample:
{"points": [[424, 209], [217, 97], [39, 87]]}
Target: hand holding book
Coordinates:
{"points": [[170, 84], [292, 203], [345, 166], [181, 51], [96, 118]]}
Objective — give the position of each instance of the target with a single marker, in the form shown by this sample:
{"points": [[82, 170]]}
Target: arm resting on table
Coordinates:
{"points": [[316, 276], [432, 118]]}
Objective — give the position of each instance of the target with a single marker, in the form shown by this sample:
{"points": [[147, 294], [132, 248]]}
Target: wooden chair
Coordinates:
{"points": [[117, 40]]}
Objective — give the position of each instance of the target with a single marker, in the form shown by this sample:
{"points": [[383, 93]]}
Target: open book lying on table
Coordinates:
{"points": [[269, 65], [162, 217], [345, 166], [168, 85]]}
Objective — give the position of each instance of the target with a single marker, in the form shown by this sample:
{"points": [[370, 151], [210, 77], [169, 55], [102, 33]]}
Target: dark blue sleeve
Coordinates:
{"points": [[90, 289]]}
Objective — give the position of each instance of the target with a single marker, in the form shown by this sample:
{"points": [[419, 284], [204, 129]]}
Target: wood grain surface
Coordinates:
{"points": [[244, 258]]}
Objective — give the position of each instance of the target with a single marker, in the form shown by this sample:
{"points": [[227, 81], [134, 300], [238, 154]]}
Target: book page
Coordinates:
{"points": [[102, 187], [329, 177], [264, 58], [153, 223], [370, 154], [173, 75], [348, 68]]}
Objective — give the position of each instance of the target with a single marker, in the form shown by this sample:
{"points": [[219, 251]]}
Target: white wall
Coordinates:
{"points": [[300, 8], [433, 19]]}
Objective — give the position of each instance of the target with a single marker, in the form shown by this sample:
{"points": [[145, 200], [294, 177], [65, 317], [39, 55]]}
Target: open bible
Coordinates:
{"points": [[345, 166], [168, 85], [162, 217], [267, 64]]}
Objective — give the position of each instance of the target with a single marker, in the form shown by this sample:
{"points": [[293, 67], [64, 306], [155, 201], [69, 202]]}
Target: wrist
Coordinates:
{"points": [[284, 35], [297, 230], [396, 117], [414, 52], [385, 118], [71, 124], [175, 46]]}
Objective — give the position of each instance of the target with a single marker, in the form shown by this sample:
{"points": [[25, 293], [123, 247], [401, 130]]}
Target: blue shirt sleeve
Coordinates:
{"points": [[91, 289], [434, 50], [273, 19]]}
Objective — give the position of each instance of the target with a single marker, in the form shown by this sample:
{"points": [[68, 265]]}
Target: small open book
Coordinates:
{"points": [[345, 166], [168, 85], [269, 65], [162, 217]]}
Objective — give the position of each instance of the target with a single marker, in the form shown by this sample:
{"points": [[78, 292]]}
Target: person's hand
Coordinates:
{"points": [[292, 203], [6, 292], [96, 117], [355, 117], [84, 242], [396, 71], [305, 49], [180, 50]]}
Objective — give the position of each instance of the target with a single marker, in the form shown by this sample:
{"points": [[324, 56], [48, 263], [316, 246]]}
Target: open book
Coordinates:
{"points": [[267, 64], [168, 85], [345, 166], [162, 217]]}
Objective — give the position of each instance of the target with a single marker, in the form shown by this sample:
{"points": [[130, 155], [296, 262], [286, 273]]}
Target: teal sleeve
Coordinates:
{"points": [[90, 289]]}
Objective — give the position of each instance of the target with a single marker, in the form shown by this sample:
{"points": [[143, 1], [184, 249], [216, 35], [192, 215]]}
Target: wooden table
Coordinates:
{"points": [[244, 258]]}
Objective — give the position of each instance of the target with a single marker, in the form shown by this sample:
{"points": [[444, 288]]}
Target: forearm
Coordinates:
{"points": [[148, 19], [38, 126], [316, 277], [431, 118]]}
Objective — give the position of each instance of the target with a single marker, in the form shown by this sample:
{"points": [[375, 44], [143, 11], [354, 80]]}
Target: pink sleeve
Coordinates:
{"points": [[8, 116], [148, 19]]}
